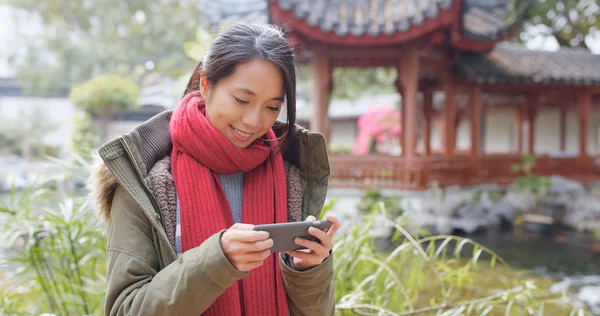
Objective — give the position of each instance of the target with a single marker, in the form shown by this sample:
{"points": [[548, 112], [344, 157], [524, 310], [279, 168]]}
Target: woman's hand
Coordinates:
{"points": [[316, 252], [245, 248]]}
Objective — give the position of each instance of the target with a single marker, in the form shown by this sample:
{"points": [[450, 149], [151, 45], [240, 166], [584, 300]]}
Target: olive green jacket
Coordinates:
{"points": [[144, 275]]}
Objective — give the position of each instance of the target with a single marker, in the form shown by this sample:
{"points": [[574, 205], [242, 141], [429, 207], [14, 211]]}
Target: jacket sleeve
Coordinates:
{"points": [[310, 292], [188, 286]]}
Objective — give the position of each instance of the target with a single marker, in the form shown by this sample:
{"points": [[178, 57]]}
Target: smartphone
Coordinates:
{"points": [[283, 234]]}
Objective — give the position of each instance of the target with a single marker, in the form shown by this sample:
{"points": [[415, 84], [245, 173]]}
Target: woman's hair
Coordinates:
{"points": [[240, 43]]}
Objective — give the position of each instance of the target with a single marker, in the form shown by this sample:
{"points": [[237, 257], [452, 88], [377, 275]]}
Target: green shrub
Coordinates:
{"points": [[431, 275], [60, 250], [371, 200], [340, 149]]}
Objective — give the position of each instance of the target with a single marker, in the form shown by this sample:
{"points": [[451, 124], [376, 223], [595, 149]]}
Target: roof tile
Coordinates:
{"points": [[514, 64]]}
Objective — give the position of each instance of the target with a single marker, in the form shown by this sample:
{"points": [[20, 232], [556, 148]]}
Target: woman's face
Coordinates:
{"points": [[244, 105]]}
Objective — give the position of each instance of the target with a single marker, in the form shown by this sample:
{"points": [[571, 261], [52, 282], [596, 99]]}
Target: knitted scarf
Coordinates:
{"points": [[200, 154]]}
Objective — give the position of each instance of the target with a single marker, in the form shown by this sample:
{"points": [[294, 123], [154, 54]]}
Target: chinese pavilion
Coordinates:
{"points": [[448, 47]]}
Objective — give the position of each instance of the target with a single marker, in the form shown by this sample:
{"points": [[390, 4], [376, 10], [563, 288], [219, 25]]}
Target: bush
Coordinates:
{"points": [[340, 149], [431, 275], [105, 95], [372, 197], [84, 137], [60, 250]]}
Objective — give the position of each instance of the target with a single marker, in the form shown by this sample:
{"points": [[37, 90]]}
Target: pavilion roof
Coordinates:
{"points": [[488, 20], [362, 17], [386, 22], [514, 63]]}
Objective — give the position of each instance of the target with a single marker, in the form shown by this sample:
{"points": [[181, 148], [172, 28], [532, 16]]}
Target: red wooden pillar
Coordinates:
{"points": [[531, 111], [475, 104], [449, 117], [319, 122], [427, 114], [408, 73], [563, 128], [585, 104], [400, 89]]}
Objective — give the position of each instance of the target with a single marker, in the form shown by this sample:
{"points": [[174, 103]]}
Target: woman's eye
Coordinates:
{"points": [[273, 108], [240, 101]]}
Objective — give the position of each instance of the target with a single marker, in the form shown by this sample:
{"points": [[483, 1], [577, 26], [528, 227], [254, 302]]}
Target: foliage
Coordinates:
{"points": [[339, 149], [196, 49], [377, 126], [24, 136], [445, 275], [537, 185], [105, 95], [326, 208], [371, 199], [569, 22], [128, 38], [351, 83], [84, 137], [59, 248]]}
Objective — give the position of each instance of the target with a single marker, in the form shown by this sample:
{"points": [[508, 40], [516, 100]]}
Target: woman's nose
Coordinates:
{"points": [[252, 118]]}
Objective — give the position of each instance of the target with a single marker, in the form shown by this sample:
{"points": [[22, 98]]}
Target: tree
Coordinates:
{"points": [[83, 137], [83, 39], [351, 83], [105, 95], [570, 22], [377, 126]]}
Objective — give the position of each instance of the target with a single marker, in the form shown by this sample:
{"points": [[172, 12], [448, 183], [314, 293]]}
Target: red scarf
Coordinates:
{"points": [[200, 154]]}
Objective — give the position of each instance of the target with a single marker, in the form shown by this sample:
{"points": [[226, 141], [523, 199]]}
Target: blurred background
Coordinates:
{"points": [[464, 140]]}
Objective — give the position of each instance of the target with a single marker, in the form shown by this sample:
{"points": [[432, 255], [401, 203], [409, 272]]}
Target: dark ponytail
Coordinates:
{"points": [[240, 43], [194, 82]]}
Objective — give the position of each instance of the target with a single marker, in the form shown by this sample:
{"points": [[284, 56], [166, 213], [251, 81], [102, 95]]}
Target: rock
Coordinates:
{"points": [[423, 220], [562, 185], [522, 200], [468, 225], [583, 214], [586, 289], [444, 225], [591, 296], [504, 210]]}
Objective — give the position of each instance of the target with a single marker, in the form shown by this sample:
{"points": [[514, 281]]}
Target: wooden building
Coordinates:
{"points": [[447, 46]]}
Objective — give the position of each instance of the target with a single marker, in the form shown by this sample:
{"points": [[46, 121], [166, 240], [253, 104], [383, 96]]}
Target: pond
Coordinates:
{"points": [[571, 258], [559, 253]]}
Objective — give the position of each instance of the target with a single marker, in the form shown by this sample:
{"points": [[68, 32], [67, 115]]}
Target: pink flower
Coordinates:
{"points": [[379, 124]]}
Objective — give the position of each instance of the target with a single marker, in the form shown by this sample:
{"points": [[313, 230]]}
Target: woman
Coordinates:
{"points": [[182, 192]]}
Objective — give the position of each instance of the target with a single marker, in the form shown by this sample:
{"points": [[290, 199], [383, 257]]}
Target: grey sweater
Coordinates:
{"points": [[233, 185]]}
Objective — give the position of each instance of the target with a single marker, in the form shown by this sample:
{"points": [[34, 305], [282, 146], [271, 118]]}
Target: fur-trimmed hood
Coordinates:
{"points": [[102, 186]]}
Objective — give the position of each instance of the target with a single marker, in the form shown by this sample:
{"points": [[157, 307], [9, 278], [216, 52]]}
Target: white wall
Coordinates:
{"points": [[499, 130], [118, 128], [547, 131], [594, 133], [57, 110], [500, 133], [344, 132]]}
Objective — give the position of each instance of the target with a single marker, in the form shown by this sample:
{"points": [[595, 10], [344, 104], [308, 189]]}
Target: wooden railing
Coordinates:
{"points": [[419, 172], [375, 171]]}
